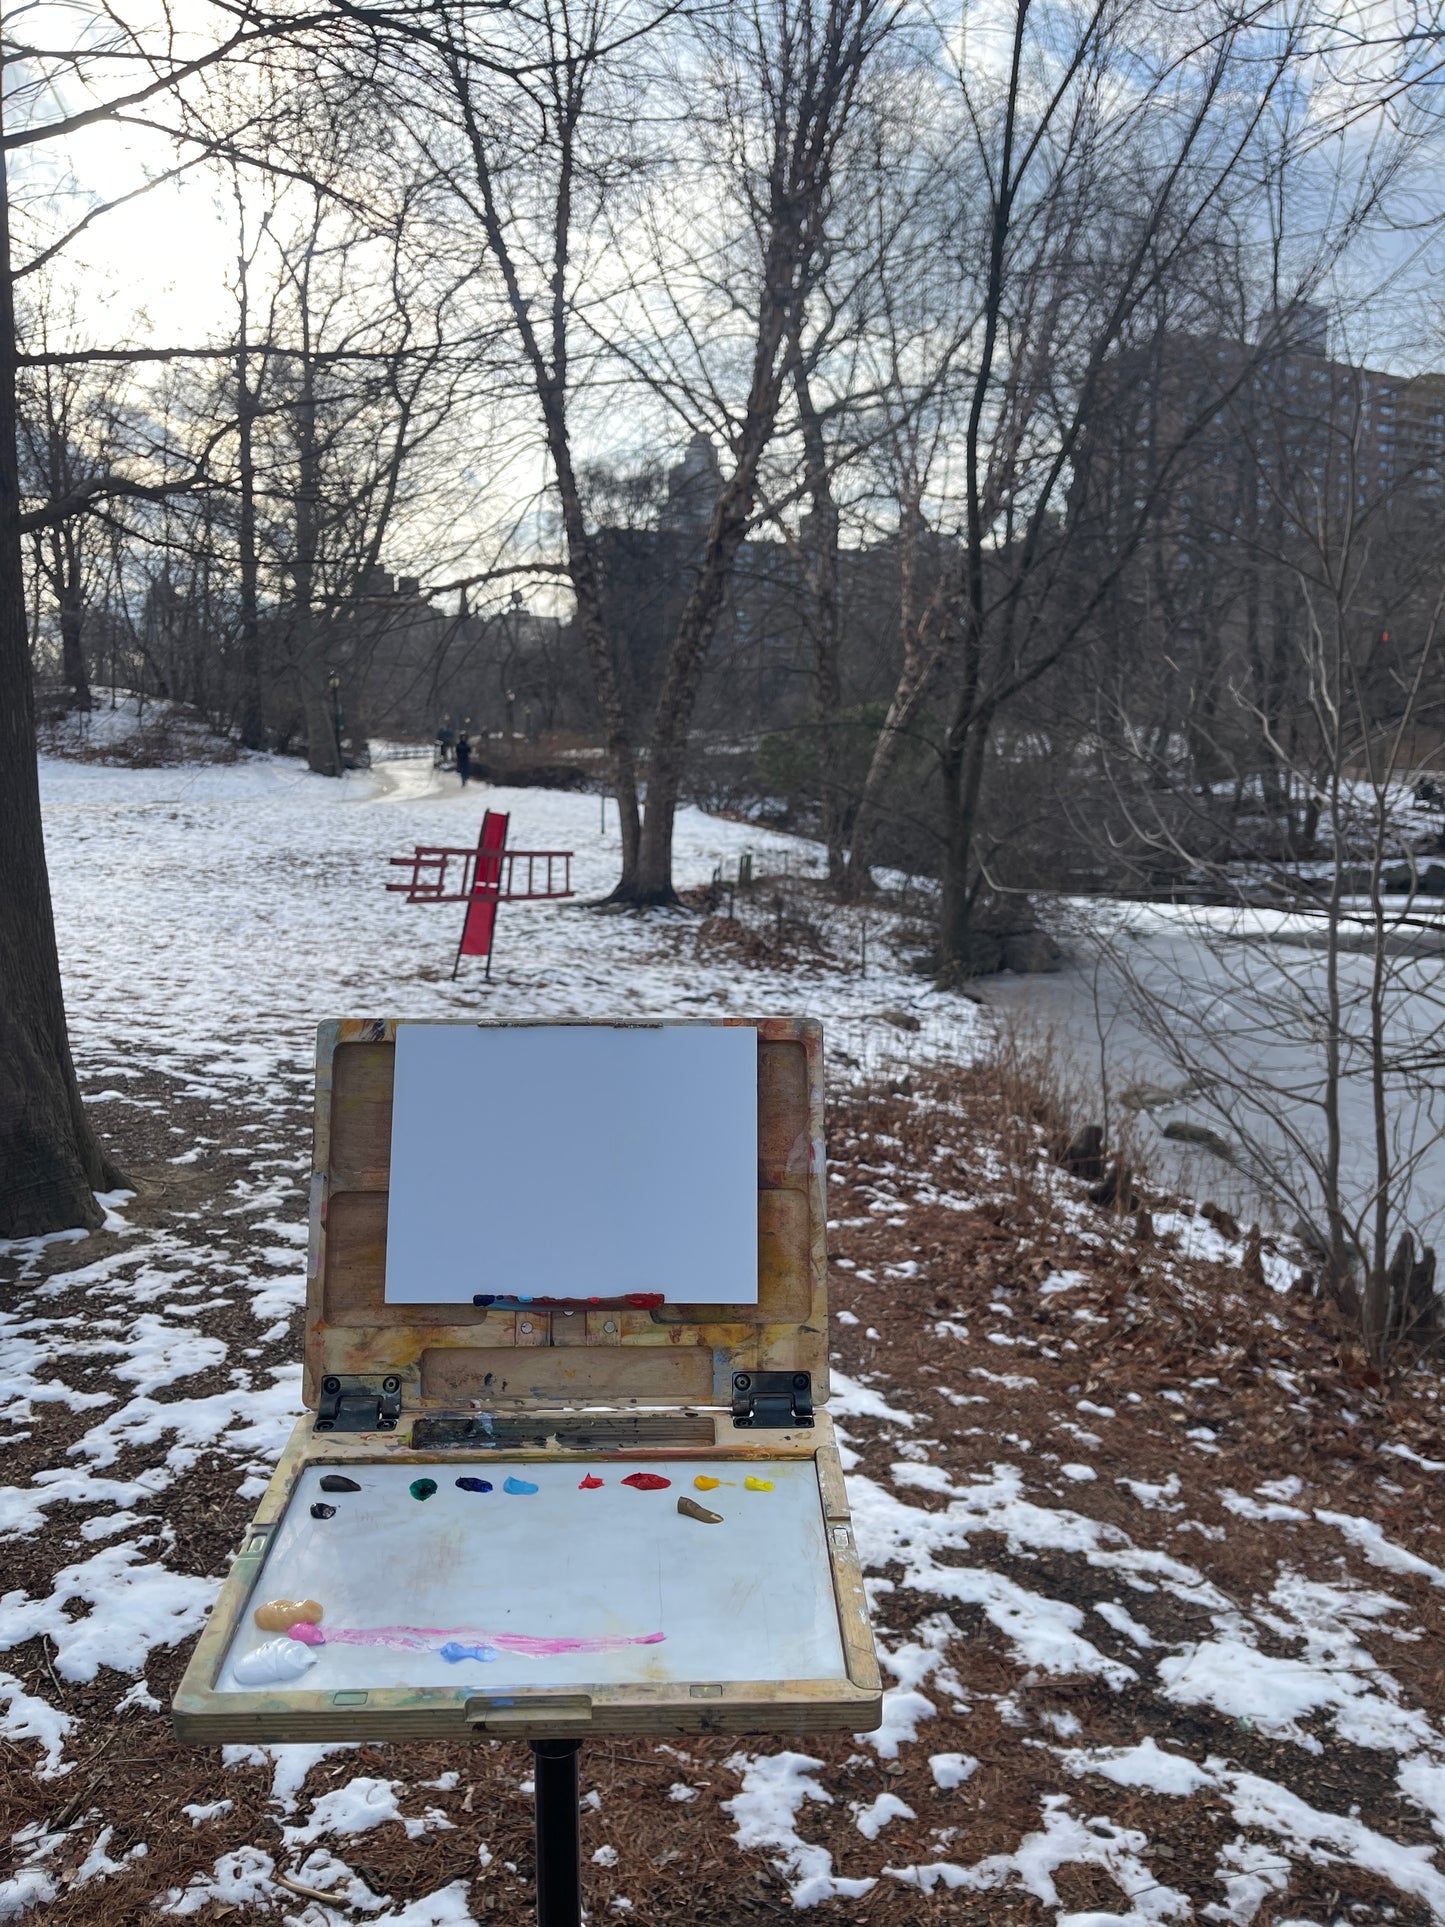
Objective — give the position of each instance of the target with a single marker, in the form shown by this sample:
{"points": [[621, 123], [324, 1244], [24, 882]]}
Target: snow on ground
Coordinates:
{"points": [[208, 918]]}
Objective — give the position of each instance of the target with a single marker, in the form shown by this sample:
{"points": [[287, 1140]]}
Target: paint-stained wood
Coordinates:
{"points": [[361, 1117], [350, 1324], [459, 1375], [286, 1712]]}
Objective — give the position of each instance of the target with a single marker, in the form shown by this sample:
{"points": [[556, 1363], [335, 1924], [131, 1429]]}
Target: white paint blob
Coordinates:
{"points": [[278, 1659]]}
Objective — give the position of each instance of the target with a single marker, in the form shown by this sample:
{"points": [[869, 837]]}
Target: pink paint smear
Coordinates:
{"points": [[426, 1639]]}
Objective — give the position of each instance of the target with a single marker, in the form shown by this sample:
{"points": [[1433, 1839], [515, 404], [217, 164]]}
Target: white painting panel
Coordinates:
{"points": [[553, 1582], [574, 1161]]}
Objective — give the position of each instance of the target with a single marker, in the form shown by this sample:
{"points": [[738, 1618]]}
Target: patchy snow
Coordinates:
{"points": [[1062, 1841], [765, 1812], [25, 1716], [964, 1547], [135, 1603], [870, 1820], [1267, 1807], [1365, 1534]]}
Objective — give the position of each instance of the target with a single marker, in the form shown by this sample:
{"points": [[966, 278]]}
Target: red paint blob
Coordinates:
{"points": [[646, 1482], [589, 1484], [644, 1300]]}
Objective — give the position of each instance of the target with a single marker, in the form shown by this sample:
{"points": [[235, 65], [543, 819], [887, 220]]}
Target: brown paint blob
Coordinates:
{"points": [[690, 1509]]}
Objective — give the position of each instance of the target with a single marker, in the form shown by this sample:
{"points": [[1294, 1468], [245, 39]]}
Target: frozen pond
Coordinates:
{"points": [[1219, 1020]]}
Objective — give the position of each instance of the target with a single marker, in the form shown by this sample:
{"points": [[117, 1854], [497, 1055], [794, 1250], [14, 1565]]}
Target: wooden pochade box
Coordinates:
{"points": [[554, 1400]]}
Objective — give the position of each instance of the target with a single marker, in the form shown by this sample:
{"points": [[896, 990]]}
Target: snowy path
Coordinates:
{"points": [[1152, 1594]]}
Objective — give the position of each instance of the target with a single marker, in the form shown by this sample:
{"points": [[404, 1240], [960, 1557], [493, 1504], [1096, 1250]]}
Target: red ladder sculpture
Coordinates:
{"points": [[482, 879]]}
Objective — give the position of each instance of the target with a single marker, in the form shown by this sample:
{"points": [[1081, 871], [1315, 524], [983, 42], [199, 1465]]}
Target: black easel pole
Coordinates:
{"points": [[559, 1833]]}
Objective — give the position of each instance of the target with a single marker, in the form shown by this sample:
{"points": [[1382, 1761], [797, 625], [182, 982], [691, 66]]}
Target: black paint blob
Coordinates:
{"points": [[319, 1511], [337, 1482]]}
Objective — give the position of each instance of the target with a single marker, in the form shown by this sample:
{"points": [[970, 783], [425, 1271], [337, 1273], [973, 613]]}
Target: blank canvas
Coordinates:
{"points": [[574, 1161], [555, 1583]]}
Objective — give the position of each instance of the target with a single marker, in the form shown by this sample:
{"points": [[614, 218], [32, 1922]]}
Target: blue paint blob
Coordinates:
{"points": [[518, 1486], [454, 1652], [475, 1485]]}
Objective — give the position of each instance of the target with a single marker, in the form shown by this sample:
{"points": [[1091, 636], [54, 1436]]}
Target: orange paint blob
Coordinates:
{"points": [[280, 1615]]}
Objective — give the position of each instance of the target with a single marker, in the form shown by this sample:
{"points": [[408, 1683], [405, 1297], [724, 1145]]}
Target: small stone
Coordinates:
{"points": [[901, 1019], [319, 1511], [338, 1482], [690, 1509]]}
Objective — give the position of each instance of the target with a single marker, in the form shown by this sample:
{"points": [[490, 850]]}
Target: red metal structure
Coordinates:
{"points": [[483, 878]]}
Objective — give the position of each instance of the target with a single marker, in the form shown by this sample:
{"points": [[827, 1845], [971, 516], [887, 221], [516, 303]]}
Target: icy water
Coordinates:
{"points": [[1214, 1019]]}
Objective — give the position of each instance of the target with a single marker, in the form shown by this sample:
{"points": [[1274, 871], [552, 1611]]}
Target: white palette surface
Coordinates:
{"points": [[566, 1586], [574, 1161]]}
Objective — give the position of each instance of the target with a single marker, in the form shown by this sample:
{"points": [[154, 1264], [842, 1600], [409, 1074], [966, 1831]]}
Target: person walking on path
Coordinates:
{"points": [[464, 758]]}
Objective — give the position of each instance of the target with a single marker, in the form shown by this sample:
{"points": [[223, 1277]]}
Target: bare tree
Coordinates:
{"points": [[1301, 997], [52, 1160]]}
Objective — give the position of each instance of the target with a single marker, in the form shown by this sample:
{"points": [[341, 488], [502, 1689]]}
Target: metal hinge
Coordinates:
{"points": [[773, 1399], [354, 1405]]}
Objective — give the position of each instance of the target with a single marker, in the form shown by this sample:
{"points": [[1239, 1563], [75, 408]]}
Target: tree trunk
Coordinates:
{"points": [[72, 621], [673, 715], [323, 751], [582, 571], [820, 551], [698, 621], [922, 657], [253, 716], [49, 1155], [963, 763]]}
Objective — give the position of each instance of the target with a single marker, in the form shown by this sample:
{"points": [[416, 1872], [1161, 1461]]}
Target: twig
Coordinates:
{"points": [[310, 1893], [45, 1655]]}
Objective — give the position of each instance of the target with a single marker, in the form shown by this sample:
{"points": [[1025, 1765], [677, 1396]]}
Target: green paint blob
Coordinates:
{"points": [[422, 1488]]}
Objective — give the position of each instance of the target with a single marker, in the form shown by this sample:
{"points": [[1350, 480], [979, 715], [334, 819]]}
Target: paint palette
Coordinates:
{"points": [[549, 1518], [555, 1575]]}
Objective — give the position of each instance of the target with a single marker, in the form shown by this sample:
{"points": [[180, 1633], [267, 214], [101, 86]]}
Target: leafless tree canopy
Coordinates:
{"points": [[971, 439]]}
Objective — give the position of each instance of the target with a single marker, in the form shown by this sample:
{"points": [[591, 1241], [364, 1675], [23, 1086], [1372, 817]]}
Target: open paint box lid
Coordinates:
{"points": [[513, 1217], [561, 1471]]}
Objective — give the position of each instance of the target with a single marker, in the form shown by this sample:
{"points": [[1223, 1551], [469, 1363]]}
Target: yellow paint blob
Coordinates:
{"points": [[758, 1485], [280, 1615], [705, 1484]]}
